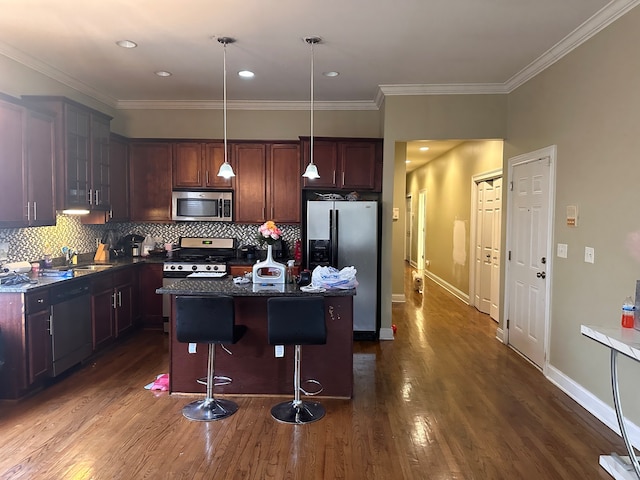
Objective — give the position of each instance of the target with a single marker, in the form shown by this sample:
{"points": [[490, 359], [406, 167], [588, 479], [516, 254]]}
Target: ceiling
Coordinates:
{"points": [[377, 46]]}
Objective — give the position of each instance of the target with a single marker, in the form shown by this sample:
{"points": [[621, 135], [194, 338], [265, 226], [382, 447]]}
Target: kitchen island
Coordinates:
{"points": [[253, 366]]}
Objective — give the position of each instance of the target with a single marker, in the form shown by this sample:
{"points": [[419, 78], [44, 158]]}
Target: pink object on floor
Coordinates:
{"points": [[161, 383]]}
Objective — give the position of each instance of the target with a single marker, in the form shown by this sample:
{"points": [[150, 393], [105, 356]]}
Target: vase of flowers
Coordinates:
{"points": [[269, 271]]}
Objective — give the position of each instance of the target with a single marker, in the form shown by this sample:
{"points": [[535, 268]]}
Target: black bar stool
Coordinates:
{"points": [[208, 320], [297, 321]]}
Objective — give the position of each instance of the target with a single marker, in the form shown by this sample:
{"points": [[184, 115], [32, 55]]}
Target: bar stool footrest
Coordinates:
{"points": [[218, 381]]}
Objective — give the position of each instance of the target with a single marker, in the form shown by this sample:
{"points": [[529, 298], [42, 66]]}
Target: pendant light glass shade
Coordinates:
{"points": [[226, 171], [311, 171]]}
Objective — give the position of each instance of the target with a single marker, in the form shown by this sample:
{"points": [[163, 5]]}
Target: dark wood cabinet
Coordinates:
{"points": [[345, 164], [82, 153], [102, 311], [267, 183], [112, 305], [196, 165], [37, 325], [150, 181], [150, 301], [119, 175], [27, 150]]}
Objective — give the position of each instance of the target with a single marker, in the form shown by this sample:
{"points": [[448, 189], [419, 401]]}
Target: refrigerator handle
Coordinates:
{"points": [[334, 240]]}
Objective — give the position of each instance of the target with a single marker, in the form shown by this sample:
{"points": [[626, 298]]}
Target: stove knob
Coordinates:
{"points": [[215, 267], [179, 267], [194, 268], [208, 267], [172, 267]]}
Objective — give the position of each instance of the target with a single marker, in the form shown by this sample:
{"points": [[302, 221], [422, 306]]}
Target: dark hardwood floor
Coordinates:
{"points": [[444, 400]]}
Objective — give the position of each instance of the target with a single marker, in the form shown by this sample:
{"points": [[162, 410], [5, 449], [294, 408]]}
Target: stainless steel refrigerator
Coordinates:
{"points": [[343, 234]]}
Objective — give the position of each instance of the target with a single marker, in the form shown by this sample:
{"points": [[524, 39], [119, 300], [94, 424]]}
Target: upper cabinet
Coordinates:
{"points": [[267, 182], [344, 163], [82, 151], [119, 177], [150, 181], [27, 155], [196, 165]]}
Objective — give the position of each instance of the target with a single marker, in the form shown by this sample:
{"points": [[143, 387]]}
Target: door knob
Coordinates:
{"points": [[541, 274]]}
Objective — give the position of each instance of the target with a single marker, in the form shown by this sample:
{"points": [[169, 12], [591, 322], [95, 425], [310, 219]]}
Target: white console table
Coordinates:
{"points": [[625, 341]]}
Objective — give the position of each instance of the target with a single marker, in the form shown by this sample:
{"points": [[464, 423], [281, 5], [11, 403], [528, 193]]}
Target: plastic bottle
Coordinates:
{"points": [[628, 313]]}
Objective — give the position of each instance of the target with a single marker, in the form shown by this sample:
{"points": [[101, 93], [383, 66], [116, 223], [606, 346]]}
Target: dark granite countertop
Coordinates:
{"points": [[225, 286], [74, 276]]}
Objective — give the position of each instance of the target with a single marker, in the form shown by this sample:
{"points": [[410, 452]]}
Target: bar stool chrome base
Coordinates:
{"points": [[297, 414], [209, 409]]}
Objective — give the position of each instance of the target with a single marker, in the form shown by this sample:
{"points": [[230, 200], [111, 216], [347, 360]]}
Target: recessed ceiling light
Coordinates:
{"points": [[330, 74], [163, 73], [246, 74], [424, 149], [407, 161], [126, 44]]}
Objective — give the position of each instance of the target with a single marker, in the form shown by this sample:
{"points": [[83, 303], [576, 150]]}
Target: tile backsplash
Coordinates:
{"points": [[29, 243]]}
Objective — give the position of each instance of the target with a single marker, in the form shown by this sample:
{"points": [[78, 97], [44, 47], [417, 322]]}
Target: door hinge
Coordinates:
{"points": [[511, 186], [507, 324], [509, 258]]}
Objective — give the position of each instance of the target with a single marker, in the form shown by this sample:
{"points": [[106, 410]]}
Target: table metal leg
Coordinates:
{"points": [[618, 406]]}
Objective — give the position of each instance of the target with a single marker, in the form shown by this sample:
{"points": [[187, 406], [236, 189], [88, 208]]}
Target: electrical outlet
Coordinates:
{"points": [[562, 250], [279, 351], [589, 255]]}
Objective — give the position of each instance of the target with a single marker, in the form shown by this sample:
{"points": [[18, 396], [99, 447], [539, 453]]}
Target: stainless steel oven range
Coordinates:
{"points": [[195, 257]]}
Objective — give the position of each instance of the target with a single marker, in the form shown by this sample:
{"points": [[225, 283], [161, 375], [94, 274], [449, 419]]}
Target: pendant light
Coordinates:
{"points": [[312, 171], [226, 171]]}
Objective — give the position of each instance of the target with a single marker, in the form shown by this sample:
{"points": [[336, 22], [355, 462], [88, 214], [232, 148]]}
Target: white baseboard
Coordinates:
{"points": [[500, 335], [593, 405], [448, 287], [386, 334], [398, 298]]}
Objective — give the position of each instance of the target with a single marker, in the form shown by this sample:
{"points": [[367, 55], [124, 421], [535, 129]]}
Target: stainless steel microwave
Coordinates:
{"points": [[202, 206]]}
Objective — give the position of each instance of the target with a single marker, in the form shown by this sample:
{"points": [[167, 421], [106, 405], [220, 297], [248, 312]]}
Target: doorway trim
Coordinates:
{"points": [[551, 152], [408, 218], [475, 180]]}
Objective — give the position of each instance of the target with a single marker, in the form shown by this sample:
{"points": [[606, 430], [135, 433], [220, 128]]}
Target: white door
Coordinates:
{"points": [[408, 223], [422, 229], [495, 249], [528, 243], [484, 244]]}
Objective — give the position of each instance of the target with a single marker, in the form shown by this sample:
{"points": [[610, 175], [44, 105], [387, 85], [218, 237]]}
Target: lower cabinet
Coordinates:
{"points": [[150, 301], [37, 325], [112, 300]]}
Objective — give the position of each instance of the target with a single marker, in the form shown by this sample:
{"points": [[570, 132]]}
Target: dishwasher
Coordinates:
{"points": [[71, 333]]}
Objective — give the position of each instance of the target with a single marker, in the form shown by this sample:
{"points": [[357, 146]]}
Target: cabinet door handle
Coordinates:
{"points": [[334, 177], [207, 177], [198, 179], [90, 192], [113, 300], [111, 213], [119, 298], [97, 197], [343, 179], [35, 211], [40, 300], [28, 211]]}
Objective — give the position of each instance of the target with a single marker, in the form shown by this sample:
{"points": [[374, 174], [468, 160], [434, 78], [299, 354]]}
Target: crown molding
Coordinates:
{"points": [[55, 74], [444, 89], [241, 105], [603, 18]]}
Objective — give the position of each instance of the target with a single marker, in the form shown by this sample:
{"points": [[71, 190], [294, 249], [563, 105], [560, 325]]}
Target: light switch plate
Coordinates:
{"points": [[279, 351], [589, 255], [562, 250]]}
